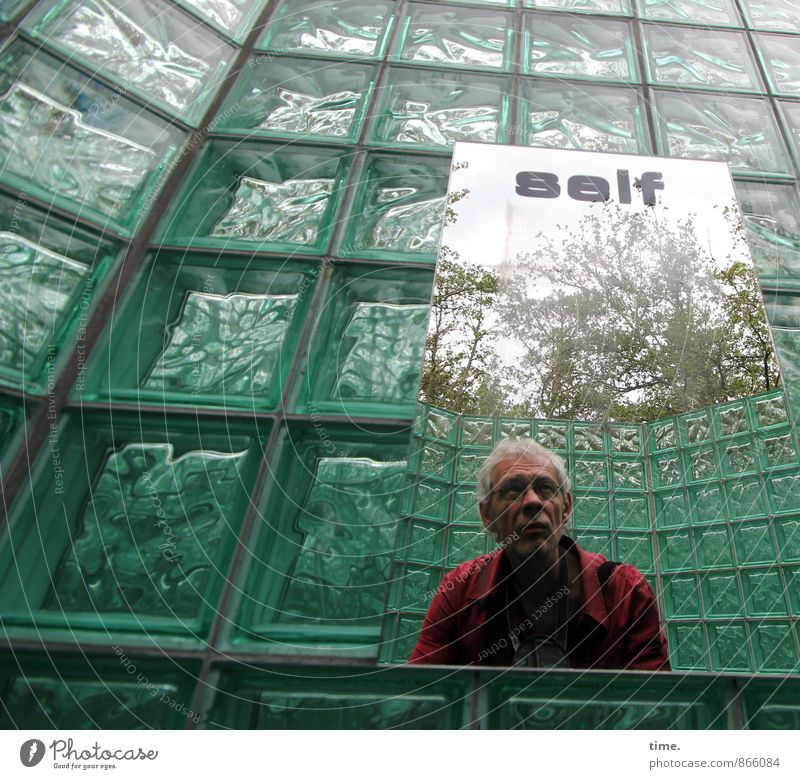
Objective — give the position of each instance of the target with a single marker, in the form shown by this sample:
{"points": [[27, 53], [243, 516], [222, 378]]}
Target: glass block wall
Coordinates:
{"points": [[219, 224]]}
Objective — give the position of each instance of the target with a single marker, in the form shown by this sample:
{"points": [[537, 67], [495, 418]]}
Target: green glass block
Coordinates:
{"points": [[719, 12], [149, 47], [463, 37], [586, 6], [590, 473], [355, 28], [514, 428], [730, 419], [298, 98], [12, 415], [430, 499], [592, 118], [675, 551], [398, 208], [714, 548], [631, 512], [75, 144], [701, 58], [737, 456], [553, 435], [591, 510], [477, 431], [681, 597], [773, 646], [770, 411], [233, 17], [627, 474], [787, 344], [440, 424], [667, 470], [779, 15], [589, 438], [754, 543], [465, 543], [721, 596], [193, 333], [437, 460], [764, 593], [415, 110], [567, 46], [10, 8], [595, 541], [788, 532], [781, 61], [687, 647], [745, 498], [414, 586], [140, 518], [729, 647], [465, 505], [408, 629], [469, 463], [701, 463], [706, 503], [792, 576], [625, 439], [741, 131], [636, 549], [696, 428], [777, 449], [671, 509], [256, 195], [663, 435], [771, 704], [424, 543]]}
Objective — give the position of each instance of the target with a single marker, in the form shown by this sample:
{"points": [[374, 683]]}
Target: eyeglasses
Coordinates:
{"points": [[514, 489]]}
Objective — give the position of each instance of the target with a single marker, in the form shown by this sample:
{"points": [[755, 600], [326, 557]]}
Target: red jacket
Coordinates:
{"points": [[617, 626]]}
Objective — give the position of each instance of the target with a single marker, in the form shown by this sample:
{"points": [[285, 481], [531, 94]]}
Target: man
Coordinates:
{"points": [[539, 600]]}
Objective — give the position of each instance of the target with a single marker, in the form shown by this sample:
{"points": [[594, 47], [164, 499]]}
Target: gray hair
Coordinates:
{"points": [[522, 449]]}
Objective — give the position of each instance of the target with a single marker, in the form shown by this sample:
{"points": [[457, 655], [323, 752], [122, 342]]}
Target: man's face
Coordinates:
{"points": [[535, 515]]}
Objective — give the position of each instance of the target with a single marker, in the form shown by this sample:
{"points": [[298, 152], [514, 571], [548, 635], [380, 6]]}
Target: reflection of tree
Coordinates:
{"points": [[634, 326], [458, 349]]}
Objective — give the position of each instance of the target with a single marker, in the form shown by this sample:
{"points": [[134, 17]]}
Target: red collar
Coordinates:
{"points": [[494, 570]]}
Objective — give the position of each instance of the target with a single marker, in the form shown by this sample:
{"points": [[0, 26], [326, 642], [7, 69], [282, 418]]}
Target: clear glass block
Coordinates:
{"points": [[625, 439], [778, 15], [696, 428], [590, 473], [76, 144], [233, 17], [664, 435], [711, 59], [150, 47], [720, 12], [398, 208], [781, 59], [772, 216], [628, 475], [356, 28], [251, 195], [778, 450], [741, 131], [553, 435], [589, 438], [771, 411], [591, 118], [477, 431], [298, 98], [731, 419], [512, 428], [468, 37], [580, 47], [417, 110], [586, 6], [667, 470]]}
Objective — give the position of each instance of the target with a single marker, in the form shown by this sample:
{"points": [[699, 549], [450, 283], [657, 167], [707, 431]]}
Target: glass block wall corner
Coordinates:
{"points": [[219, 223]]}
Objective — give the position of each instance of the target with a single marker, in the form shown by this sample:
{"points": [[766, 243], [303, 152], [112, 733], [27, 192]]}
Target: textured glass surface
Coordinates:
{"points": [[589, 438], [688, 648], [591, 6], [357, 27], [419, 110], [227, 14], [729, 647], [149, 45], [681, 597], [146, 541], [575, 46], [703, 58], [625, 439], [39, 287], [348, 524], [466, 36], [782, 15], [224, 344], [265, 211], [720, 12], [387, 344], [9, 8], [592, 118], [781, 58], [738, 130], [476, 432], [398, 208]]}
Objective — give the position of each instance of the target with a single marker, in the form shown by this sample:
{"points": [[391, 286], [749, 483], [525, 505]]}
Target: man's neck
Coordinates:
{"points": [[536, 577]]}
